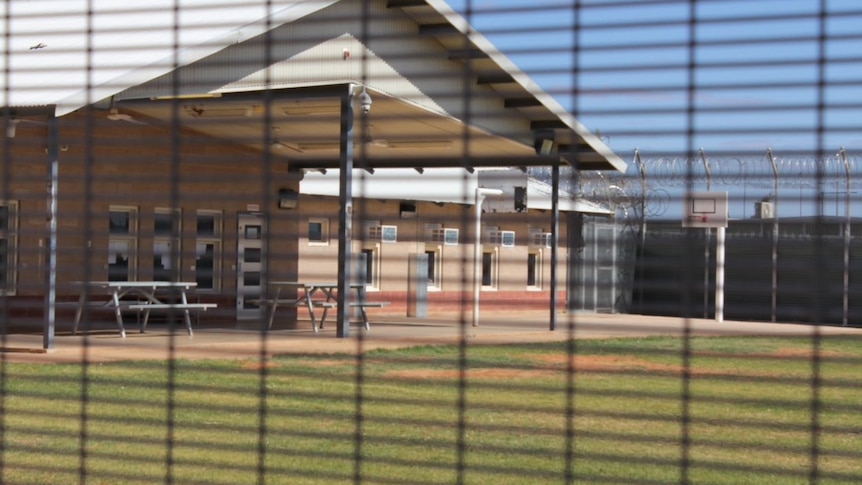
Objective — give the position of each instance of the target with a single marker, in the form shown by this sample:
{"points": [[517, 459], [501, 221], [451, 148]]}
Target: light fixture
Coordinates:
{"points": [[287, 198], [364, 101], [11, 128]]}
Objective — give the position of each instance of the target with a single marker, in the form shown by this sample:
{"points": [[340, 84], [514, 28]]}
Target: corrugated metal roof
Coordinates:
{"points": [[58, 54]]}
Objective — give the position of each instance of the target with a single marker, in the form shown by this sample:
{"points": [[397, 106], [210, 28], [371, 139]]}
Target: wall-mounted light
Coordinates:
{"points": [[287, 198]]}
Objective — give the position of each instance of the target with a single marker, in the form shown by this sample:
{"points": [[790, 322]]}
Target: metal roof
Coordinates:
{"points": [[133, 49]]}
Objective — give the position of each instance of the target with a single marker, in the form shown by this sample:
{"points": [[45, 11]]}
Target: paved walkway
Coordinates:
{"points": [[386, 332]]}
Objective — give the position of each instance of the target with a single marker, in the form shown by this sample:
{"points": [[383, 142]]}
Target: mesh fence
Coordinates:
{"points": [[417, 241]]}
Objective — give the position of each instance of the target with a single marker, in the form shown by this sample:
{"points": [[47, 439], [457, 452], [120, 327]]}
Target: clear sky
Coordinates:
{"points": [[758, 79]]}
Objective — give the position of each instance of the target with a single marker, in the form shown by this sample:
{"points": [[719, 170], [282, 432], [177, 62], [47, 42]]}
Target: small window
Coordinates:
{"points": [[318, 231], [208, 225], [120, 222], [252, 232], [166, 223]]}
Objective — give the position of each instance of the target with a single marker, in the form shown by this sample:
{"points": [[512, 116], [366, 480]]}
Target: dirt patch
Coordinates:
{"points": [[257, 364], [581, 363], [489, 373]]}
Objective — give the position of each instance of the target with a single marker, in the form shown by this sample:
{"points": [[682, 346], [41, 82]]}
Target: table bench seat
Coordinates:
{"points": [[361, 305], [179, 306], [185, 307], [332, 304]]}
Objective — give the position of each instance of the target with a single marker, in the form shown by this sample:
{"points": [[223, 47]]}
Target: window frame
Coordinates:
{"points": [[9, 286], [129, 237], [172, 240], [324, 231], [216, 239]]}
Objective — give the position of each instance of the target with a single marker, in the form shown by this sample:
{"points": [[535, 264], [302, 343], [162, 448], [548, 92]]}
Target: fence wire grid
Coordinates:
{"points": [[430, 241]]}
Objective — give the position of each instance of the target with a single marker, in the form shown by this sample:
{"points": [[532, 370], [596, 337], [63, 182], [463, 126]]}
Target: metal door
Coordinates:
{"points": [[250, 264]]}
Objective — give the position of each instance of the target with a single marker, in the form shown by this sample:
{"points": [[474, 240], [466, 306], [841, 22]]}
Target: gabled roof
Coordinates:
{"points": [[137, 53]]}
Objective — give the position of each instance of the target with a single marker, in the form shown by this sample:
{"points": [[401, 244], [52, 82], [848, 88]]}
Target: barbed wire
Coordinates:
{"points": [[648, 187]]}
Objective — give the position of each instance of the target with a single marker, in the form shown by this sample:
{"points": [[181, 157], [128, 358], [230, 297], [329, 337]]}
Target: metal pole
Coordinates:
{"points": [[719, 274], [706, 242], [345, 213], [51, 249], [641, 265], [477, 247], [774, 234], [555, 229], [845, 317]]}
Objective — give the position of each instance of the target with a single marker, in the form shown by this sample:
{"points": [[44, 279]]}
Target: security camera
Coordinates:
{"points": [[365, 102]]}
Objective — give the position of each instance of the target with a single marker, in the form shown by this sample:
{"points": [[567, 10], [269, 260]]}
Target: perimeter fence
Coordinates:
{"points": [[427, 241]]}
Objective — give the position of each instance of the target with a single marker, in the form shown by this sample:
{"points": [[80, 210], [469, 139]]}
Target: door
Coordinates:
{"points": [[250, 264]]}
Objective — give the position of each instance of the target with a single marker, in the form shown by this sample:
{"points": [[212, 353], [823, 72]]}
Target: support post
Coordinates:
{"points": [[774, 234], [719, 274], [345, 213], [51, 243], [846, 310], [555, 229], [477, 247]]}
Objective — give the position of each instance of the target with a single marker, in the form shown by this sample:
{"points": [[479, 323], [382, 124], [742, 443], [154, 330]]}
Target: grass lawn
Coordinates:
{"points": [[719, 411]]}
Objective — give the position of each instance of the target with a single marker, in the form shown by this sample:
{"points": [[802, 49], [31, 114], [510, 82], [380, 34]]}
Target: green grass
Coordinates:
{"points": [[501, 419]]}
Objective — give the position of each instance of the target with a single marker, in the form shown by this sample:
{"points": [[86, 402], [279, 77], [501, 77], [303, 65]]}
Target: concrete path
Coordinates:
{"points": [[162, 343]]}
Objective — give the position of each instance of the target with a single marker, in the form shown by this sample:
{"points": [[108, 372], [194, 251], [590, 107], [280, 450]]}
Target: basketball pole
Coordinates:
{"points": [[719, 274]]}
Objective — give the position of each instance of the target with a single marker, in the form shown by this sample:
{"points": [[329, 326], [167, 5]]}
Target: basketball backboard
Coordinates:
{"points": [[705, 209]]}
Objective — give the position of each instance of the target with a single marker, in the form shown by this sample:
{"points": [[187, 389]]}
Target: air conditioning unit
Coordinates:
{"points": [[541, 240], [504, 239], [764, 210], [386, 234]]}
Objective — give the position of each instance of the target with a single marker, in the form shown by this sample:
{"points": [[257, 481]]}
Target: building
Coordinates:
{"points": [[180, 160]]}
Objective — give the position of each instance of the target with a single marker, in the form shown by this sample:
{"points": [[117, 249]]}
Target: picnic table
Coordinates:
{"points": [[326, 299], [142, 296]]}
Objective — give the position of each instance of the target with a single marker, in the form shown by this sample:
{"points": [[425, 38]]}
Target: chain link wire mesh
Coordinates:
{"points": [[417, 241]]}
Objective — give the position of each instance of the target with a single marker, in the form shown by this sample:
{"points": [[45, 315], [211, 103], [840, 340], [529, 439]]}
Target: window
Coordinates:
{"points": [[369, 268], [122, 243], [318, 232], [436, 233], [208, 250], [8, 246], [435, 266], [534, 269], [166, 244], [387, 234], [489, 269]]}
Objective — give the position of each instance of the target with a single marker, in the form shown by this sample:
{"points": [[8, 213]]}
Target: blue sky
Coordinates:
{"points": [[757, 74]]}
